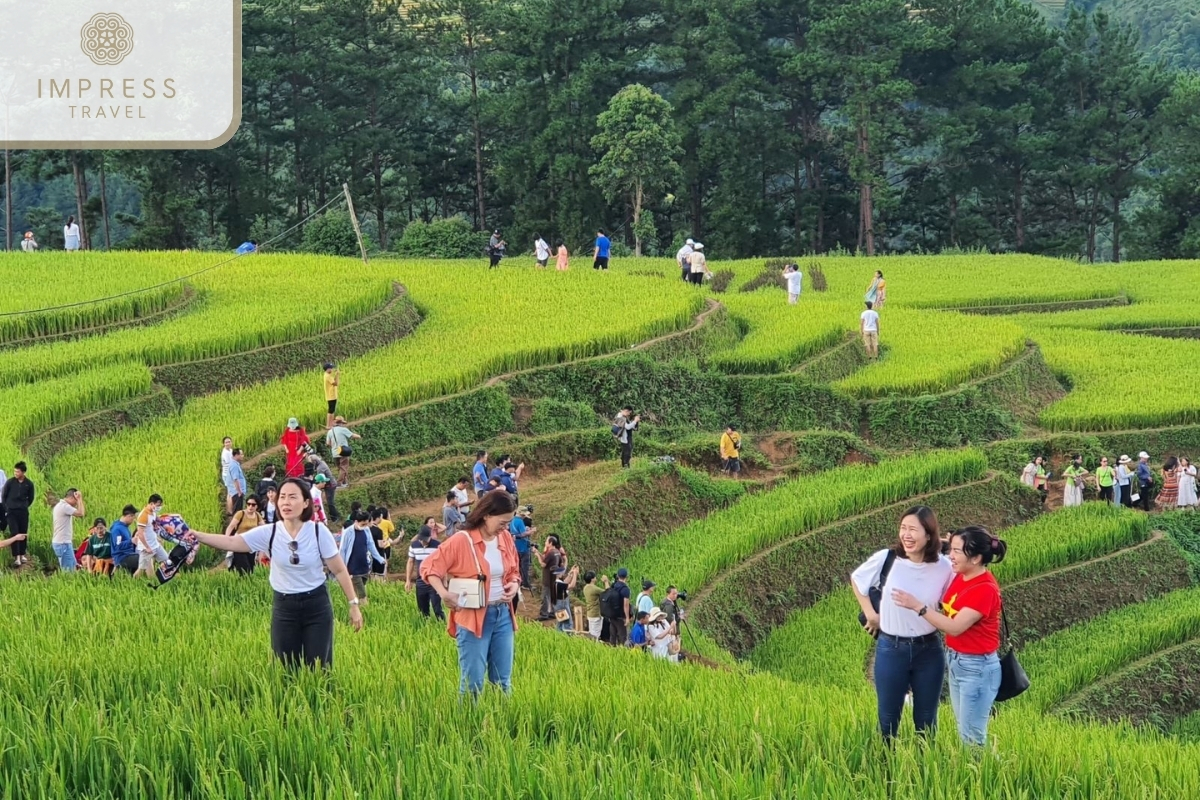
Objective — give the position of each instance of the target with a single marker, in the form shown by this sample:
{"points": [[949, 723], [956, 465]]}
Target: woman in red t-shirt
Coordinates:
{"points": [[970, 618]]}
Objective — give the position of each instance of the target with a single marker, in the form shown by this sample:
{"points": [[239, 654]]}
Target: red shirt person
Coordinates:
{"points": [[294, 439]]}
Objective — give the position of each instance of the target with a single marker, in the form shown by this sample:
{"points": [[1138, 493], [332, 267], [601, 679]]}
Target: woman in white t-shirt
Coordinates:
{"points": [[71, 234], [300, 551], [908, 655]]}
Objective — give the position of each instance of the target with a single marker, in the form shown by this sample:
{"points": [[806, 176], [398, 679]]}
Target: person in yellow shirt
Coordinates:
{"points": [[332, 375], [731, 447]]}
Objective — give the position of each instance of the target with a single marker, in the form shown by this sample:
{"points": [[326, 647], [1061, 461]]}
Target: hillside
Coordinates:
{"points": [[1170, 28]]}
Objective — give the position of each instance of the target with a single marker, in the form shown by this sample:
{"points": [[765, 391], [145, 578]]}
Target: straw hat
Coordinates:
{"points": [[656, 614], [1123, 460]]}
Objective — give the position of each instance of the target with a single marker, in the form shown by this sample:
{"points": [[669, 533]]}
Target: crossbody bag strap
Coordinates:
{"points": [[1005, 631], [474, 555], [271, 542]]}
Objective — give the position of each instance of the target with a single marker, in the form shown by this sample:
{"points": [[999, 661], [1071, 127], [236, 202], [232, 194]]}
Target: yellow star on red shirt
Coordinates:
{"points": [[948, 606]]}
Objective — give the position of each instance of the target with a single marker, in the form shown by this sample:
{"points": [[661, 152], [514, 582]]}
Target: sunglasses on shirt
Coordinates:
{"points": [[294, 546]]}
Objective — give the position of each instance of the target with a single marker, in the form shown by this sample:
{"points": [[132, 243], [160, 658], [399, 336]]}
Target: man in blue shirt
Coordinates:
{"points": [[235, 483], [603, 247], [479, 473], [637, 636], [247, 248], [124, 551], [522, 532], [1145, 479]]}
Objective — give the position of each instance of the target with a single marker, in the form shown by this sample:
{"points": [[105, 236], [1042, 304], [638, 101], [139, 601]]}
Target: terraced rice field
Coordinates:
{"points": [[108, 690]]}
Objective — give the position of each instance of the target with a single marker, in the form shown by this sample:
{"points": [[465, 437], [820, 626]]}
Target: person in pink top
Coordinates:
{"points": [[561, 264]]}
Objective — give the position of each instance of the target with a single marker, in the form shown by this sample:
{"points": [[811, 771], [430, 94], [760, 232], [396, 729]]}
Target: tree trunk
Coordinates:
{"points": [[477, 130], [104, 205], [1116, 212], [954, 219], [866, 213], [8, 231], [1019, 208], [80, 199], [637, 217]]}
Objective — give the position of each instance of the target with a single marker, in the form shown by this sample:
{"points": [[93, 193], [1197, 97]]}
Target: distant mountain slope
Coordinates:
{"points": [[1170, 28]]}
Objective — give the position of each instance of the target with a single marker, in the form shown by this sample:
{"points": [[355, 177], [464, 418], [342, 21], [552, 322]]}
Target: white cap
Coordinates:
{"points": [[689, 241], [697, 246], [1143, 454]]}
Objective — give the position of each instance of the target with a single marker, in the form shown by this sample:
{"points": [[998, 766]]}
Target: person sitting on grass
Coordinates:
{"points": [[99, 548], [124, 552], [638, 636]]}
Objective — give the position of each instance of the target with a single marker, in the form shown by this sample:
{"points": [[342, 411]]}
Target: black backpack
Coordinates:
{"points": [[611, 606]]}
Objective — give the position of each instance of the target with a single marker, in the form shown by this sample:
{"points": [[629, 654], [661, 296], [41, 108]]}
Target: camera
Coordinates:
{"points": [[682, 595]]}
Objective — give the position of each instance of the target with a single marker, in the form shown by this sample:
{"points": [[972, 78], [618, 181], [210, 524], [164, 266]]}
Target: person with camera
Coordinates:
{"points": [[522, 532], [908, 655], [300, 551], [338, 440], [564, 584], [592, 593], [475, 573], [969, 615], [731, 449], [622, 429], [617, 609], [551, 562]]}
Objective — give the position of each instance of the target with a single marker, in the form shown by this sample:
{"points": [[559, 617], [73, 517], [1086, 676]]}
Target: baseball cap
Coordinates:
{"points": [[293, 423], [690, 241], [320, 478], [647, 585], [98, 521], [622, 573], [1143, 454], [328, 365]]}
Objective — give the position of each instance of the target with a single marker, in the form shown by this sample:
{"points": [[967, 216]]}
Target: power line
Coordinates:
{"points": [[189, 276]]}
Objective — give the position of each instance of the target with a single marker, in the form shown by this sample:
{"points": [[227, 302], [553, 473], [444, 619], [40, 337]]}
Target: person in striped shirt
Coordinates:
{"points": [[419, 549]]}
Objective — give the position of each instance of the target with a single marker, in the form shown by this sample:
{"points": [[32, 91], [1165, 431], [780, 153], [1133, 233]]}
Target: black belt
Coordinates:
{"points": [[300, 595], [929, 637]]}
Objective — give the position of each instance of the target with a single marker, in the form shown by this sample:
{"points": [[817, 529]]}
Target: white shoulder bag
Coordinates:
{"points": [[469, 592]]}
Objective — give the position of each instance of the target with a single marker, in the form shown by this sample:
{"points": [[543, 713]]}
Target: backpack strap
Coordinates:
{"points": [[886, 569], [271, 542]]}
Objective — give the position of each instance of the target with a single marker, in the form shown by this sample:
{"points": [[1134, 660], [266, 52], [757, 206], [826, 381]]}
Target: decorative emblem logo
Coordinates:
{"points": [[106, 39]]}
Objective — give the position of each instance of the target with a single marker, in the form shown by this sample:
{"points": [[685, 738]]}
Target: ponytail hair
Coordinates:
{"points": [[979, 541]]}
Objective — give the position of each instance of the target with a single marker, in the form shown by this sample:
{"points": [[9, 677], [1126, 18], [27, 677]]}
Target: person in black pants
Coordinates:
{"points": [[623, 427], [1145, 480], [419, 549], [17, 496], [300, 551]]}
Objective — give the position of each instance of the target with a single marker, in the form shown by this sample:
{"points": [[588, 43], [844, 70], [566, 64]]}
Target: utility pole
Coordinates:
{"points": [[362, 248]]}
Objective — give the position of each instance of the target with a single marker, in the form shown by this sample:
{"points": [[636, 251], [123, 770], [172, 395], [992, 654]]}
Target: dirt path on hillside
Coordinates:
{"points": [[711, 307]]}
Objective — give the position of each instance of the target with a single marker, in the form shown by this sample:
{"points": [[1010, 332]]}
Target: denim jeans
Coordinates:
{"points": [[974, 681], [66, 556], [569, 625], [492, 652], [904, 664]]}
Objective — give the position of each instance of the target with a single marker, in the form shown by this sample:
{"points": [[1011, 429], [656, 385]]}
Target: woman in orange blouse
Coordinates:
{"points": [[483, 549]]}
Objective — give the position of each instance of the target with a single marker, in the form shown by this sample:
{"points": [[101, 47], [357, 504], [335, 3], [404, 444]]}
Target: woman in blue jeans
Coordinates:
{"points": [[908, 656], [483, 556], [969, 615]]}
